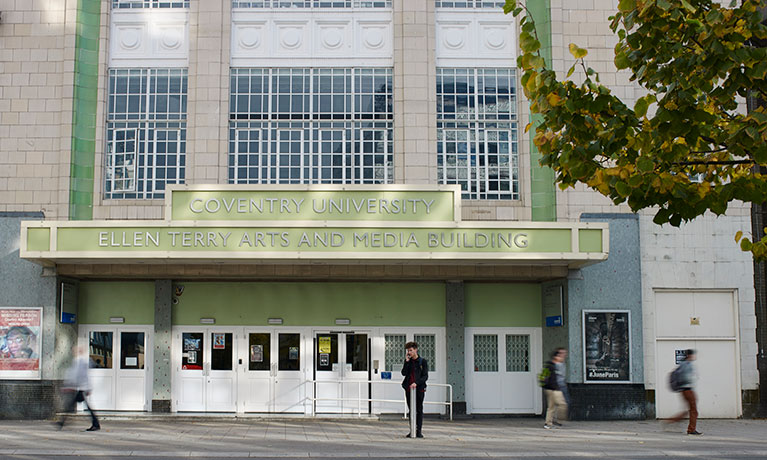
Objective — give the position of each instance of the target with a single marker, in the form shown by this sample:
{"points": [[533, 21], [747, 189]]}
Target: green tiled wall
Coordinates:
{"points": [[84, 109]]}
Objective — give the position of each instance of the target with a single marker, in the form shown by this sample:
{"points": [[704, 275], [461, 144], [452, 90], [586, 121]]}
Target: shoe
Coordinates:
{"points": [[548, 427], [696, 432], [418, 435], [93, 428], [58, 425], [407, 435]]}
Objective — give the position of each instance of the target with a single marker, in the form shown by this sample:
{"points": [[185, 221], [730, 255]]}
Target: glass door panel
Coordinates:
{"points": [[101, 371], [131, 376], [191, 381], [259, 347], [221, 351], [132, 350], [222, 378], [289, 387], [259, 374]]}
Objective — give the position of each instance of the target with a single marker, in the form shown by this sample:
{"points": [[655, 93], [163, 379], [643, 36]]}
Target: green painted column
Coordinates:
{"points": [[544, 198], [84, 109]]}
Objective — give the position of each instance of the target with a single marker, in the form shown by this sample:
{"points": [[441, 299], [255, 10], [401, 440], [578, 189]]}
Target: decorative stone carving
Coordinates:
{"points": [[149, 38], [475, 39], [269, 38]]}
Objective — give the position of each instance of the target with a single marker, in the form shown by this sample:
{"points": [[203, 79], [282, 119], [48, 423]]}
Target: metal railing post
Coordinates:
{"points": [[359, 399], [413, 412], [450, 401]]}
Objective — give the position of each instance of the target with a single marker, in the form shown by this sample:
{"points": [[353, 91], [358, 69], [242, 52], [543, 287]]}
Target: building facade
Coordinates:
{"points": [[250, 207]]}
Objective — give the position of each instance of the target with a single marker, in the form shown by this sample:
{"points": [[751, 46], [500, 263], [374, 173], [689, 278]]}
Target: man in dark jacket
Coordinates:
{"points": [[416, 372], [556, 389]]}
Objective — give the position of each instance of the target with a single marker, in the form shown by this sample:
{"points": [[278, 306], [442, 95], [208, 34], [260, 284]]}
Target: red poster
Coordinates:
{"points": [[19, 339]]}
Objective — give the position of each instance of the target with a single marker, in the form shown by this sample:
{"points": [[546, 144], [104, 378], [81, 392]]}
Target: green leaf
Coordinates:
{"points": [[640, 107], [578, 53], [626, 6], [509, 6], [738, 236], [570, 72], [663, 4], [687, 6], [622, 61], [745, 244], [645, 164]]}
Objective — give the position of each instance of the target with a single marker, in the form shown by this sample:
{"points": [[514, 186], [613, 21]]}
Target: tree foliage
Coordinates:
{"points": [[683, 148]]}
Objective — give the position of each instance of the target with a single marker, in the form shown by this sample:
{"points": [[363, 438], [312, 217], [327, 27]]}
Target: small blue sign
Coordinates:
{"points": [[552, 321], [68, 318], [386, 375]]}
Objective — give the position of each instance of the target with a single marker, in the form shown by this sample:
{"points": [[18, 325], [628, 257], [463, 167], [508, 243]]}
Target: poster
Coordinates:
{"points": [[20, 342], [606, 346], [324, 344], [219, 341], [324, 359], [192, 342], [679, 356], [293, 353], [256, 353]]}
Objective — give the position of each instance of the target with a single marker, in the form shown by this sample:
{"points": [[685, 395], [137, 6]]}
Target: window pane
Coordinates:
{"points": [[477, 132], [290, 352], [327, 351], [259, 351], [221, 351], [191, 350], [486, 353], [131, 350], [394, 352], [427, 347], [357, 351], [351, 103], [517, 353], [100, 350]]}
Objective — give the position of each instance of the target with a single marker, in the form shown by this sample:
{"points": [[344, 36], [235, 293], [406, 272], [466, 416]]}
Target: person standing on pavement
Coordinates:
{"points": [[416, 372], [687, 378], [556, 389], [77, 387]]}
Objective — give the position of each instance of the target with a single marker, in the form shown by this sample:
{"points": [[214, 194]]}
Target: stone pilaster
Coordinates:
{"points": [[161, 391], [455, 306], [415, 93]]}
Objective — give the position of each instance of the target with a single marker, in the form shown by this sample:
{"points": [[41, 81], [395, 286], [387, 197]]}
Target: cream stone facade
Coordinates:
{"points": [[412, 43]]}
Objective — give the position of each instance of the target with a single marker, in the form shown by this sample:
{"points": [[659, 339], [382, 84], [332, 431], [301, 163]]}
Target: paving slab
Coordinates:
{"points": [[228, 437]]}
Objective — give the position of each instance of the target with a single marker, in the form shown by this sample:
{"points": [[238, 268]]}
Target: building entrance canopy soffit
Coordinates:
{"points": [[317, 223]]}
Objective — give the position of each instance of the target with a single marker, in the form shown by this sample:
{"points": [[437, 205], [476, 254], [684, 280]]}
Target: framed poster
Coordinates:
{"points": [[607, 346], [20, 342], [219, 341]]}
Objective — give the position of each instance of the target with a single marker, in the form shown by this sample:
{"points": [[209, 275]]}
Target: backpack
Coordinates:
{"points": [[674, 379], [544, 376]]}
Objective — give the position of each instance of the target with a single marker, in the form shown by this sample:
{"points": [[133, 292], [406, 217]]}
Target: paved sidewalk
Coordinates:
{"points": [[169, 437]]}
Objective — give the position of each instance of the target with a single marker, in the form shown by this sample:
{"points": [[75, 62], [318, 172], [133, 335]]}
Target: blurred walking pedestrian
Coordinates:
{"points": [[685, 377], [77, 388], [555, 388]]}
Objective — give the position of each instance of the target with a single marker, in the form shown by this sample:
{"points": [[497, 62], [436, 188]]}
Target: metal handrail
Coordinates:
{"points": [[359, 399]]}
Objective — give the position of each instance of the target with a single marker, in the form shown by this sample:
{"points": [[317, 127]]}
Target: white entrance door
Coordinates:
{"points": [[120, 366], [705, 321], [273, 375], [389, 349], [206, 376], [501, 369], [342, 368]]}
